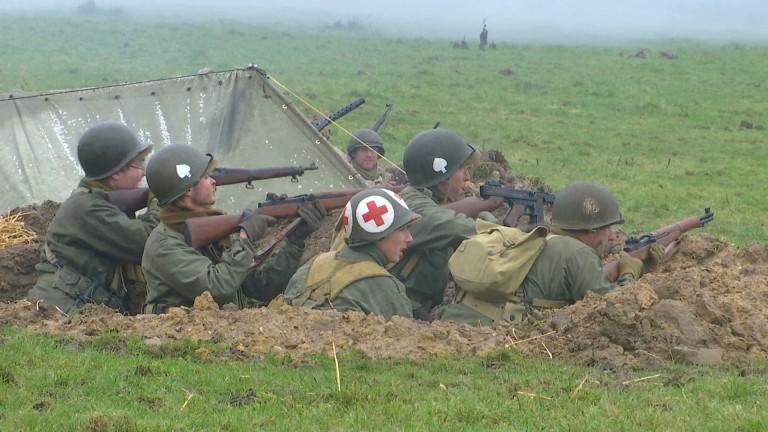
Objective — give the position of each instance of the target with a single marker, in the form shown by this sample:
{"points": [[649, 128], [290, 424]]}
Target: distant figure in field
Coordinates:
{"points": [[484, 36], [492, 45], [464, 44]]}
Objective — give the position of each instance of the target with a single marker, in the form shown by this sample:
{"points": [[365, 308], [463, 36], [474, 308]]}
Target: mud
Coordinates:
{"points": [[707, 305]]}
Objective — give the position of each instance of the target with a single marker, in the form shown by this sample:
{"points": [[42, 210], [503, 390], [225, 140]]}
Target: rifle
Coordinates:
{"points": [[669, 237], [325, 121], [202, 231], [132, 200], [521, 202], [265, 251], [380, 121]]}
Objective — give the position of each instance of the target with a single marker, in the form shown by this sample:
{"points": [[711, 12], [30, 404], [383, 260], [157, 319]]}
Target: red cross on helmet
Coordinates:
{"points": [[373, 214]]}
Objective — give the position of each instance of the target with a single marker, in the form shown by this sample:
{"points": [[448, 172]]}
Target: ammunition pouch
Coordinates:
{"points": [[83, 289]]}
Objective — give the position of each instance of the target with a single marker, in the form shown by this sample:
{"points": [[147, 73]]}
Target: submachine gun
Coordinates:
{"points": [[521, 202]]}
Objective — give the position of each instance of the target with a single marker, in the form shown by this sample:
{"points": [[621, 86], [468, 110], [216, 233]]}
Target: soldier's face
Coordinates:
{"points": [[203, 194], [601, 239], [394, 244], [453, 187], [365, 157], [130, 175]]}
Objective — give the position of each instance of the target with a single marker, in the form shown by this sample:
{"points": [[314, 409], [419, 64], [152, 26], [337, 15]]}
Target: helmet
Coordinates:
{"points": [[373, 214], [106, 147], [585, 206], [434, 155], [363, 138], [176, 168]]}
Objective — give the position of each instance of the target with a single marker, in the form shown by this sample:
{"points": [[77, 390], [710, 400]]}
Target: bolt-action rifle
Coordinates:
{"points": [[382, 118], [325, 121], [521, 202], [132, 200], [202, 231], [669, 237]]}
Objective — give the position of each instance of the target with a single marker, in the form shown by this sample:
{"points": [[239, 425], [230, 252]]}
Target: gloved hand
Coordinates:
{"points": [[312, 213], [629, 265], [487, 216], [150, 198], [652, 263], [255, 225]]}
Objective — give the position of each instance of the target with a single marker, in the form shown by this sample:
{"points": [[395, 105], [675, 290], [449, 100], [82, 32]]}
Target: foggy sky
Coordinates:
{"points": [[508, 20]]}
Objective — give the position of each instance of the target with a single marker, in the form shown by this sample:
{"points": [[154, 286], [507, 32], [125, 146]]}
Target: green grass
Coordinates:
{"points": [[112, 383], [663, 134]]}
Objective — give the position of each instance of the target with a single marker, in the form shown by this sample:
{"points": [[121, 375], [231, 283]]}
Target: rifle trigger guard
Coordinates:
{"points": [[249, 185], [294, 179]]}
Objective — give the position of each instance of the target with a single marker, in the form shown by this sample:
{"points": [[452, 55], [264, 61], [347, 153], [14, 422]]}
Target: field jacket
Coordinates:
{"points": [[176, 273]]}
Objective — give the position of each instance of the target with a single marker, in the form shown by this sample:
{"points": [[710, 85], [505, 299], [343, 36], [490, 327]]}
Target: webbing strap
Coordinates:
{"points": [[549, 304], [489, 310], [411, 264]]}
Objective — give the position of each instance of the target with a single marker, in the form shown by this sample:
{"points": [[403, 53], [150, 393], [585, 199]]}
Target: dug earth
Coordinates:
{"points": [[706, 306]]}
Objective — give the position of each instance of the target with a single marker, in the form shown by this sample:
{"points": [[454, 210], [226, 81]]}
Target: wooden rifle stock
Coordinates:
{"points": [[669, 237], [228, 176], [265, 251], [129, 201], [202, 231]]}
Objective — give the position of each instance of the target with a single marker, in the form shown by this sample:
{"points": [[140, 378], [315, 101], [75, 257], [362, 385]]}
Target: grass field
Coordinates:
{"points": [[114, 384], [664, 132]]}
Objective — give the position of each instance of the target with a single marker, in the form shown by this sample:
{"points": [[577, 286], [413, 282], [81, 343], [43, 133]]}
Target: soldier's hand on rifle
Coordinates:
{"points": [[629, 265], [312, 213], [652, 263], [255, 225]]}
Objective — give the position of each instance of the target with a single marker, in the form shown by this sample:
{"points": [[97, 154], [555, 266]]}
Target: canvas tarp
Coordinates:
{"points": [[238, 115]]}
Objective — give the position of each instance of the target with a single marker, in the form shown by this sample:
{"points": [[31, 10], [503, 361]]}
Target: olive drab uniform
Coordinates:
{"points": [[373, 178], [564, 271], [376, 177], [177, 273], [92, 251], [424, 267], [353, 279], [562, 274]]}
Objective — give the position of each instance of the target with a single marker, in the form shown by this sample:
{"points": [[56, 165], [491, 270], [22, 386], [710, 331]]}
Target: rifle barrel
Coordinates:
{"points": [[339, 114]]}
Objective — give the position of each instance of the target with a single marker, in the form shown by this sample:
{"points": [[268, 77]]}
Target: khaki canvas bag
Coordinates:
{"points": [[492, 264]]}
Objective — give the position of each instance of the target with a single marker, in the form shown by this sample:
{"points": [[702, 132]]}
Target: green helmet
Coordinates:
{"points": [[106, 147], [373, 214], [365, 138], [585, 206], [434, 155], [174, 169]]}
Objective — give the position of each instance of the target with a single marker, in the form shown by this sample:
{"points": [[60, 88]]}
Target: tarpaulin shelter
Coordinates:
{"points": [[239, 115]]}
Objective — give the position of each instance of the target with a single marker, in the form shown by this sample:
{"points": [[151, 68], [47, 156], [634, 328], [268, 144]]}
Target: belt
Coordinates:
{"points": [[511, 311]]}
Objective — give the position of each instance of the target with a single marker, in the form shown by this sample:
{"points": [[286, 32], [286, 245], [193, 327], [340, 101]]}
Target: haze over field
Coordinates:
{"points": [[508, 20]]}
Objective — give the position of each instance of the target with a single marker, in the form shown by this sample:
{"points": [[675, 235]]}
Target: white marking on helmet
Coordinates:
{"points": [[439, 165], [374, 214], [183, 170]]}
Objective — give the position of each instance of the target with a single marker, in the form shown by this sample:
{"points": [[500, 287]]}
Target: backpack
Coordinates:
{"points": [[493, 264]]}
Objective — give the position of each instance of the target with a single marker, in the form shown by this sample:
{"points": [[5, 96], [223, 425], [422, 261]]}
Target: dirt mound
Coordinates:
{"points": [[706, 306]]}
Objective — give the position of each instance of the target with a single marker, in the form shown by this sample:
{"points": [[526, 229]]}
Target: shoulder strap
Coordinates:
{"points": [[328, 276]]}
